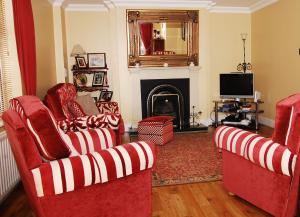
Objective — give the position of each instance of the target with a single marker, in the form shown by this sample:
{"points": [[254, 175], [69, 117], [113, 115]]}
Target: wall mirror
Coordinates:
{"points": [[162, 38]]}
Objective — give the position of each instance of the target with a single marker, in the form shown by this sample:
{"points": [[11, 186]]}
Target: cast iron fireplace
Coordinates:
{"points": [[167, 97]]}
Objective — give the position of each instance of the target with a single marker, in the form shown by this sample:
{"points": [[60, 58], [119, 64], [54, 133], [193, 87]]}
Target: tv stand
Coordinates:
{"points": [[237, 112]]}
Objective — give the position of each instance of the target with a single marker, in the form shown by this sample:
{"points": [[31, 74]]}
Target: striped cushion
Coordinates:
{"points": [[259, 150], [88, 141], [76, 172]]}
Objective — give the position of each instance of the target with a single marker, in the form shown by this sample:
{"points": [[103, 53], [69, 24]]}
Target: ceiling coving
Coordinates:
{"points": [[230, 6]]}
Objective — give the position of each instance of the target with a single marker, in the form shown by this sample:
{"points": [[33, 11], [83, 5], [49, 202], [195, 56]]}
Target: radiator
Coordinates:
{"points": [[9, 175]]}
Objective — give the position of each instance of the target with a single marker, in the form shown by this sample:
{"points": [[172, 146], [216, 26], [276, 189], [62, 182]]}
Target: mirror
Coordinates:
{"points": [[157, 38], [161, 38]]}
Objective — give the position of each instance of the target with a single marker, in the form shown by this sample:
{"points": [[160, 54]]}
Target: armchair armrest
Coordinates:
{"points": [[263, 152], [108, 107], [70, 174]]}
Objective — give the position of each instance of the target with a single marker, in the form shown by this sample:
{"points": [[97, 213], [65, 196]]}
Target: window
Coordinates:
{"points": [[10, 82]]}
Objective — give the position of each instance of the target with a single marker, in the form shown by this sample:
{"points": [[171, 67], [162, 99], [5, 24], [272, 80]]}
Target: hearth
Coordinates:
{"points": [[167, 97]]}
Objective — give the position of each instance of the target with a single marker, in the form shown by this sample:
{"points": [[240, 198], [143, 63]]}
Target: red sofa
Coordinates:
{"points": [[58, 98], [265, 171], [90, 176]]}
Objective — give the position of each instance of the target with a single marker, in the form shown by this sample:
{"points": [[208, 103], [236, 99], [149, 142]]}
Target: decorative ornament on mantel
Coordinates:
{"points": [[244, 66]]}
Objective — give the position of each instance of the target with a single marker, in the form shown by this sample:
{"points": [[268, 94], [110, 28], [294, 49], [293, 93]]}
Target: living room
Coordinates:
{"points": [[271, 46]]}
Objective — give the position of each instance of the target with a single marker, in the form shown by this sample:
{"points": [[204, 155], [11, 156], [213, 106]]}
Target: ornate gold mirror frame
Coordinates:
{"points": [[187, 18]]}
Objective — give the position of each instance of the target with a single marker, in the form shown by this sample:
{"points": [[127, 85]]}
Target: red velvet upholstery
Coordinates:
{"points": [[126, 190], [42, 127], [265, 171], [58, 100]]}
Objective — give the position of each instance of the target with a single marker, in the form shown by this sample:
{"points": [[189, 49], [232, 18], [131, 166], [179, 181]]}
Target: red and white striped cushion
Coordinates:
{"points": [[88, 141], [259, 150], [69, 174]]}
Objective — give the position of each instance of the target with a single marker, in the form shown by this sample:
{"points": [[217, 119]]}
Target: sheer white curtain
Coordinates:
{"points": [[10, 81]]}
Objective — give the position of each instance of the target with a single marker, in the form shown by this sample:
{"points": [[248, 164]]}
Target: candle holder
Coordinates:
{"points": [[244, 66]]}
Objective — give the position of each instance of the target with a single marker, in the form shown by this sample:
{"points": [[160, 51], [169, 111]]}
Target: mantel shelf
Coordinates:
{"points": [[190, 68]]}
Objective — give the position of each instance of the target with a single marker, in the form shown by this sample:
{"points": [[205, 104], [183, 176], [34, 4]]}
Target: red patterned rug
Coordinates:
{"points": [[189, 158]]}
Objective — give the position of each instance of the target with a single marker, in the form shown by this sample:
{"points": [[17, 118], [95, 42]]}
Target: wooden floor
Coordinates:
{"points": [[190, 200]]}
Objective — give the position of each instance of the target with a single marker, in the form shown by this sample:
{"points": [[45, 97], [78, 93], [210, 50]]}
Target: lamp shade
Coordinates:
{"points": [[77, 50]]}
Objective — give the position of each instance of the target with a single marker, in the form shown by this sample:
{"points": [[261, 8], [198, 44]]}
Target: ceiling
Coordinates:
{"points": [[235, 6]]}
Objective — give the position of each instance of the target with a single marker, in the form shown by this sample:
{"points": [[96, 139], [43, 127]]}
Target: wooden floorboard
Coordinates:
{"points": [[208, 199]]}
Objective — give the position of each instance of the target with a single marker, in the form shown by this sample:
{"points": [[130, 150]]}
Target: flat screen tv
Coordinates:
{"points": [[236, 85]]}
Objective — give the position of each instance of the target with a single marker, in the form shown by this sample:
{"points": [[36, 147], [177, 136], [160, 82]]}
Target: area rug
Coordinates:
{"points": [[189, 158]]}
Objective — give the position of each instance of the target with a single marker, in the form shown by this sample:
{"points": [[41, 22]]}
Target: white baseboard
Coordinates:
{"points": [[266, 121]]}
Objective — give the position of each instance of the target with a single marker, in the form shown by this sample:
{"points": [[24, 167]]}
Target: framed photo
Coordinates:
{"points": [[98, 79], [80, 62], [97, 60], [105, 96]]}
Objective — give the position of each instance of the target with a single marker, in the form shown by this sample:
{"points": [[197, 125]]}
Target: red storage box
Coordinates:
{"points": [[158, 129]]}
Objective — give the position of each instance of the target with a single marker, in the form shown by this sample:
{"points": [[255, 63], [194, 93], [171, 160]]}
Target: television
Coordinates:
{"points": [[236, 85]]}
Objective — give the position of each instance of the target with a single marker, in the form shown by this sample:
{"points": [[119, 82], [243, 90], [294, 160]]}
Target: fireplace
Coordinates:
{"points": [[167, 97]]}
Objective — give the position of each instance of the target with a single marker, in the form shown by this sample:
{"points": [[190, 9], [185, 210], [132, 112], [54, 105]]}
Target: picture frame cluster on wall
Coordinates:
{"points": [[94, 61]]}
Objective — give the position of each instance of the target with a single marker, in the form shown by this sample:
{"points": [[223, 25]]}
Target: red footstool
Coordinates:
{"points": [[158, 129]]}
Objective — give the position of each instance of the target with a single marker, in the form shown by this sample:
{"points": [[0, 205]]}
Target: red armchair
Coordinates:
{"points": [[265, 171], [58, 100], [88, 175]]}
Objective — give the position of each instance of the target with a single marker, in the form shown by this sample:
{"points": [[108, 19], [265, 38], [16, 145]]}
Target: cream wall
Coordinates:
{"points": [[49, 45], [91, 30], [45, 45], [226, 45], [275, 54], [105, 31]]}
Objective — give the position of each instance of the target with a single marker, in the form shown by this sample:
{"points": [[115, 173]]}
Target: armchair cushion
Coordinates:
{"points": [[75, 109], [108, 107], [77, 172], [88, 141], [87, 104], [263, 152], [42, 127], [111, 121]]}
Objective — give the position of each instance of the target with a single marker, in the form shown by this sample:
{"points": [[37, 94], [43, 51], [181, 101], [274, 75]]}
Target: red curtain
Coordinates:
{"points": [[25, 38], [146, 35]]}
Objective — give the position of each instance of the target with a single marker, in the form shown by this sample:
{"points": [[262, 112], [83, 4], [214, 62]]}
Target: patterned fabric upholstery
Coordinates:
{"points": [[88, 141], [262, 151], [75, 109], [108, 107], [88, 122], [158, 132], [77, 172]]}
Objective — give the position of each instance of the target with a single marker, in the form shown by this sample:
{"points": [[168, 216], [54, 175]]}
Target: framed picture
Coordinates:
{"points": [[80, 62], [97, 60], [105, 95], [98, 79]]}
